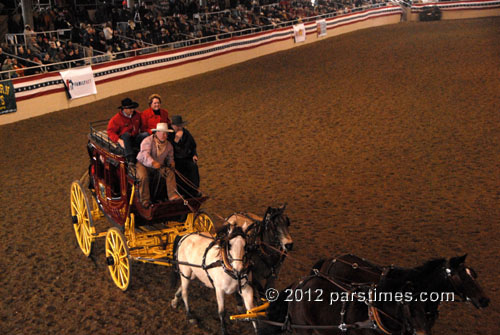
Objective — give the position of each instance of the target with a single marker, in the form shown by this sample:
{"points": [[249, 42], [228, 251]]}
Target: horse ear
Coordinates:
{"points": [[283, 207], [456, 261], [267, 216]]}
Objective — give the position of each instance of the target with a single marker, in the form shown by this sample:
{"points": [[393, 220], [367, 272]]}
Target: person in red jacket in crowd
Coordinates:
{"points": [[124, 128], [154, 114]]}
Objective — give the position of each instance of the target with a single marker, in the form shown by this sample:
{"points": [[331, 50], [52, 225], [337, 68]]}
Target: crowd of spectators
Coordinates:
{"points": [[115, 29]]}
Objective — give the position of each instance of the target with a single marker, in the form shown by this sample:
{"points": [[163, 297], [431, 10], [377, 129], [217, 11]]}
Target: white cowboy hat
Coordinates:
{"points": [[163, 127]]}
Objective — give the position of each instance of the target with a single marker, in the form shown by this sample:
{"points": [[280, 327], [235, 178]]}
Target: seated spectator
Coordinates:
{"points": [[21, 52], [18, 67], [154, 114], [186, 157], [7, 66], [156, 152], [47, 60], [124, 129]]}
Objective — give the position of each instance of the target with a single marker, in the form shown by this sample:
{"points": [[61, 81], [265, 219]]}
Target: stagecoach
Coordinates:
{"points": [[108, 190]]}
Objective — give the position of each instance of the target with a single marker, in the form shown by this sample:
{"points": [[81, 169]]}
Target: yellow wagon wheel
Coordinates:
{"points": [[82, 218], [117, 258], [203, 222]]}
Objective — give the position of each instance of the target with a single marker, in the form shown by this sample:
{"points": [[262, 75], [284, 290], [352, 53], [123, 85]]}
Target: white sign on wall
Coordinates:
{"points": [[79, 82], [299, 32], [321, 27]]}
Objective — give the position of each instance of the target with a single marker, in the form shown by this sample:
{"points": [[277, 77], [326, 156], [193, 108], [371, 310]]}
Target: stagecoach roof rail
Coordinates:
{"points": [[98, 133]]}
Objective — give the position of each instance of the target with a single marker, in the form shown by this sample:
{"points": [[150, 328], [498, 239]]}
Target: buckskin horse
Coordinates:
{"points": [[219, 263], [437, 276], [268, 241], [322, 304]]}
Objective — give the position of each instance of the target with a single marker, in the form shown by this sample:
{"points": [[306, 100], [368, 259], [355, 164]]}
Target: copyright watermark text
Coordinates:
{"points": [[319, 295]]}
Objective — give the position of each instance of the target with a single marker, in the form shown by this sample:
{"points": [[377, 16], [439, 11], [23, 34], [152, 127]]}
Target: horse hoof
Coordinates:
{"points": [[173, 303], [192, 321]]}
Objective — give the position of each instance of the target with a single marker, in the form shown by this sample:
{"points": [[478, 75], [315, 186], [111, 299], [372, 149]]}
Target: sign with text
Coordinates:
{"points": [[321, 27], [7, 97], [79, 82], [299, 32]]}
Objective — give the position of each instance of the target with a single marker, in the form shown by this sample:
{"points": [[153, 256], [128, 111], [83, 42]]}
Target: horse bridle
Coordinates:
{"points": [[456, 281], [273, 245], [227, 259]]}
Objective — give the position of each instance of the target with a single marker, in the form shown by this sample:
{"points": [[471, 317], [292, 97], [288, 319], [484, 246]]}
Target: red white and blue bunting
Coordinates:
{"points": [[49, 83]]}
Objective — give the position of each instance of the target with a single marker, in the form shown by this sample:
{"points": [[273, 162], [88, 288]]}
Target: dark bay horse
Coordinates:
{"points": [[321, 304], [437, 276], [268, 241]]}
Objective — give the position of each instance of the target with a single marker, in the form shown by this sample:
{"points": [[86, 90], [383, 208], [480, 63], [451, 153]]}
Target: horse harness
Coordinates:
{"points": [[373, 322], [224, 262], [256, 243]]}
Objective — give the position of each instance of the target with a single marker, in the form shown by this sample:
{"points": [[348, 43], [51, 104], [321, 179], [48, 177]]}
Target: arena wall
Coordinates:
{"points": [[460, 9], [41, 94]]}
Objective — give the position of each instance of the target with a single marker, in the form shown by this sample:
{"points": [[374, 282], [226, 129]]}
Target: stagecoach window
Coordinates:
{"points": [[114, 180], [99, 166]]}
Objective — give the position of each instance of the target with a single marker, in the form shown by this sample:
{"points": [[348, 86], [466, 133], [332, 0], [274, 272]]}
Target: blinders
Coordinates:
{"points": [[458, 279], [225, 245], [273, 223]]}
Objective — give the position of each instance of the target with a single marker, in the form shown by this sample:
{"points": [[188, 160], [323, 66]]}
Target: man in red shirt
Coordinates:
{"points": [[124, 129], [154, 114]]}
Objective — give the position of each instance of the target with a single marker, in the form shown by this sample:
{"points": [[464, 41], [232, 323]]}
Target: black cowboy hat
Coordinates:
{"points": [[128, 103], [177, 120]]}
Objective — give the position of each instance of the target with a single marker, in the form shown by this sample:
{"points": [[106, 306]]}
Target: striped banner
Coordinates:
{"points": [[49, 83]]}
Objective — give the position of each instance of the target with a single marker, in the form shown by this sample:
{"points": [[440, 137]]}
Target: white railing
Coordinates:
{"points": [[185, 43], [20, 38]]}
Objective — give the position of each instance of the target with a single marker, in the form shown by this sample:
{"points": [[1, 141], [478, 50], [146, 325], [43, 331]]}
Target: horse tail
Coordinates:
{"points": [[174, 276], [317, 266]]}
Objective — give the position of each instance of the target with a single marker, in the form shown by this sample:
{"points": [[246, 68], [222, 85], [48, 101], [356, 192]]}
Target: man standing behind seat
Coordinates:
{"points": [[156, 152], [124, 128], [154, 114]]}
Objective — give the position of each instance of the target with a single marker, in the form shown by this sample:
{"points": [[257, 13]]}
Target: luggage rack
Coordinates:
{"points": [[99, 134]]}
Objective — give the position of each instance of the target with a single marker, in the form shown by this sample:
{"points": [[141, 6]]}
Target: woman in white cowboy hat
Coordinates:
{"points": [[156, 152]]}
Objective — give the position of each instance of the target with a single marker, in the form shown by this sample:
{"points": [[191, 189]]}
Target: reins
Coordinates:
{"points": [[374, 320]]}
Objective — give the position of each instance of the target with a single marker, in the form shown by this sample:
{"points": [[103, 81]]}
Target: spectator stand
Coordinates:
{"points": [[269, 17]]}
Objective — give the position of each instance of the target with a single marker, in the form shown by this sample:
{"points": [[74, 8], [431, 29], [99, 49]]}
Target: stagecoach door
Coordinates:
{"points": [[111, 185]]}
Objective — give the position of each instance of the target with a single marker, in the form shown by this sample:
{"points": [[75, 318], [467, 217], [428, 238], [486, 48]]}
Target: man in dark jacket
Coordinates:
{"points": [[185, 157], [124, 128]]}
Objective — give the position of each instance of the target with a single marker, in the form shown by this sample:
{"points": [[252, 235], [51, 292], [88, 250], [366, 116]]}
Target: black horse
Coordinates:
{"points": [[322, 304], [438, 277], [268, 241]]}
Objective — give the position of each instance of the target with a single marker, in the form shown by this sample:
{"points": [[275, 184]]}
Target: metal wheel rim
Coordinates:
{"points": [[84, 225], [117, 249]]}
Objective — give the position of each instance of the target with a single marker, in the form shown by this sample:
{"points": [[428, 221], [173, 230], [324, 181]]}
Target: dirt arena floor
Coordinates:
{"points": [[385, 143]]}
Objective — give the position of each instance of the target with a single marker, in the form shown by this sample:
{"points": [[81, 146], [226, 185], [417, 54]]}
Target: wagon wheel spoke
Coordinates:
{"points": [[203, 223], [82, 218], [117, 255]]}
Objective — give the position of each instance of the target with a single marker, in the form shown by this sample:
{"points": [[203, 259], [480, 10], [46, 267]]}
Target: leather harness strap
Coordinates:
{"points": [[374, 315]]}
